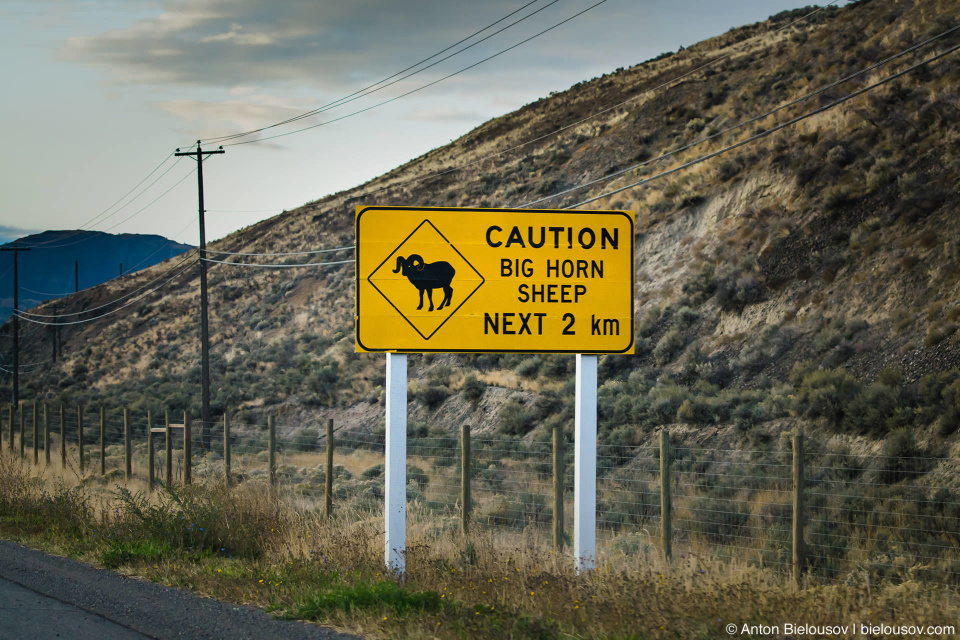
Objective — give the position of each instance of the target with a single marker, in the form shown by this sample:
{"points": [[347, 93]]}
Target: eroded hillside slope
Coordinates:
{"points": [[808, 277]]}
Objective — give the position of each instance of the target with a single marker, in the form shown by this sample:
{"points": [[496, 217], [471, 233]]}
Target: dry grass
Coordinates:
{"points": [[497, 583]]}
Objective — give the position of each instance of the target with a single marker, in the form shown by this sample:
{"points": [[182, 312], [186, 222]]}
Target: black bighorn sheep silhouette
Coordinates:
{"points": [[427, 277]]}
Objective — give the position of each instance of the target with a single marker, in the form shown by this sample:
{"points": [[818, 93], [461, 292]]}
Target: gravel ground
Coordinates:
{"points": [[44, 596]]}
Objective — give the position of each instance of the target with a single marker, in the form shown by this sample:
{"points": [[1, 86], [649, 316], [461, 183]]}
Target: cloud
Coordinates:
{"points": [[330, 45], [249, 113]]}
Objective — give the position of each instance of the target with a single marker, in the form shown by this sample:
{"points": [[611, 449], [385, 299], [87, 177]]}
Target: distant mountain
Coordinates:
{"points": [[47, 272]]}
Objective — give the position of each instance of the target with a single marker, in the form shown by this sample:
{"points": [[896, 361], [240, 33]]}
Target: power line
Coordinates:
{"points": [[114, 301], [768, 132], [42, 245], [370, 86], [279, 266], [740, 125], [163, 246], [118, 309], [291, 253], [420, 88], [592, 116], [44, 293]]}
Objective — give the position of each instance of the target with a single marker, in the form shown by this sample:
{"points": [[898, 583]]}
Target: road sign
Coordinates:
{"points": [[502, 280]]}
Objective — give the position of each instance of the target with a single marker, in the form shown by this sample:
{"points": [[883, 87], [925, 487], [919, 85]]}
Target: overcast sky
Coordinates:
{"points": [[97, 92]]}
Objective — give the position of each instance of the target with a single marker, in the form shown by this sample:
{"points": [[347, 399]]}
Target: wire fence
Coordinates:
{"points": [[887, 517]]}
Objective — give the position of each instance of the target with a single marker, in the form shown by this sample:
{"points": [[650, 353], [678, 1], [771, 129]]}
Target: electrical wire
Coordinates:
{"points": [[43, 245], [278, 266], [107, 304], [45, 293], [182, 271], [662, 85], [165, 246], [365, 92], [766, 133], [342, 100], [420, 88], [292, 253], [740, 125]]}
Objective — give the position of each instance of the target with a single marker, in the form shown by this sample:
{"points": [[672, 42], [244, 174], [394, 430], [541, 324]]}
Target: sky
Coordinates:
{"points": [[98, 93]]}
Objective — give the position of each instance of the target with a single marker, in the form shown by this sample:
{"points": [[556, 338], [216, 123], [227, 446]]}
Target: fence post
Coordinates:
{"points": [[103, 444], [151, 454], [80, 435], [127, 453], [226, 448], [36, 437], [666, 524], [46, 435], [328, 479], [798, 508], [187, 450], [272, 455], [23, 440], [63, 441], [169, 446], [465, 500], [557, 489], [10, 424]]}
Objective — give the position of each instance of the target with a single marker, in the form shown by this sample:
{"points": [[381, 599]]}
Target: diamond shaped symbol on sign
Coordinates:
{"points": [[426, 279]]}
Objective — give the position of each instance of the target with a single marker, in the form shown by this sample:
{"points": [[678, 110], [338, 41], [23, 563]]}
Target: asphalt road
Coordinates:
{"points": [[44, 596]]}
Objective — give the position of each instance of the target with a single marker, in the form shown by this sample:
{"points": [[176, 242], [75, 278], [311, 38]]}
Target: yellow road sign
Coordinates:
{"points": [[472, 280]]}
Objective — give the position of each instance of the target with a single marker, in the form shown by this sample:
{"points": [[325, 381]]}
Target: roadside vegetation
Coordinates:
{"points": [[238, 545]]}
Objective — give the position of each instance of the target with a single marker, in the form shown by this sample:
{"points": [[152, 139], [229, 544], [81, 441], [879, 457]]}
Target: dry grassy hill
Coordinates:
{"points": [[808, 278]]}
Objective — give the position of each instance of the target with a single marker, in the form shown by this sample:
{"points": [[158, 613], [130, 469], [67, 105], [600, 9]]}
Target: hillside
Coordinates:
{"points": [[809, 278], [48, 272]]}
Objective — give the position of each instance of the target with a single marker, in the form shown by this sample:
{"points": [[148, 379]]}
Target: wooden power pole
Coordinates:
{"points": [[16, 321], [198, 155]]}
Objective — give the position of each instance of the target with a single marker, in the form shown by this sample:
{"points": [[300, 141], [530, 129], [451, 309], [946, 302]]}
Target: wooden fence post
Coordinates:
{"points": [[23, 440], [10, 424], [169, 445], [63, 440], [328, 478], [127, 453], [36, 436], [150, 451], [557, 489], [80, 435], [799, 555], [46, 435], [465, 499], [226, 448], [272, 455], [103, 442], [187, 450], [666, 524]]}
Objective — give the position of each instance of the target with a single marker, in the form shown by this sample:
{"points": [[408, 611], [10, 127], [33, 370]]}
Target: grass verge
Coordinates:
{"points": [[240, 546]]}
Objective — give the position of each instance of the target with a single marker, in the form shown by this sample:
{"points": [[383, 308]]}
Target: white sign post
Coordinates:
{"points": [[395, 471], [585, 466]]}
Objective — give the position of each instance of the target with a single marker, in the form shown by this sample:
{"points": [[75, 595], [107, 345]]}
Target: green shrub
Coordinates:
{"points": [[515, 419], [417, 476], [306, 440], [903, 459], [667, 346], [529, 368], [699, 289], [473, 389], [432, 396], [828, 394], [874, 410]]}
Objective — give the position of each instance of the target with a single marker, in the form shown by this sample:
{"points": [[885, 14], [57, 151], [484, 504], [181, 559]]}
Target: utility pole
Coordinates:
{"points": [[16, 323], [204, 326]]}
